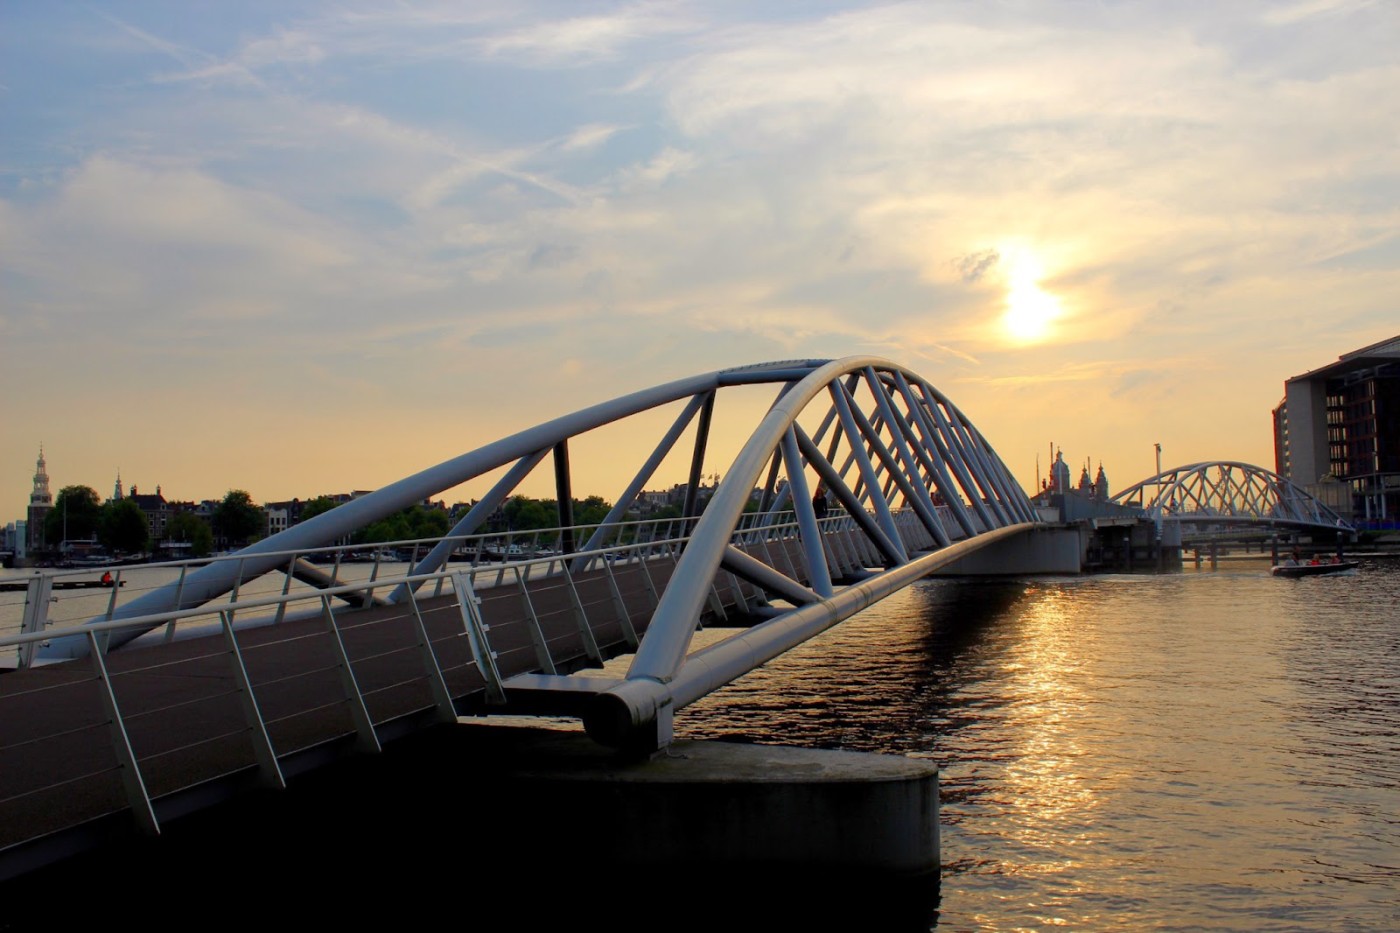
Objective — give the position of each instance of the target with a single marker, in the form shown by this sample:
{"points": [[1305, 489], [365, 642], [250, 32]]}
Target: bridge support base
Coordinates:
{"points": [[827, 831], [1046, 549], [710, 833]]}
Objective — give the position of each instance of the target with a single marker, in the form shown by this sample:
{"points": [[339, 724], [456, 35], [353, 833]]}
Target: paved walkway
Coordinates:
{"points": [[184, 715]]}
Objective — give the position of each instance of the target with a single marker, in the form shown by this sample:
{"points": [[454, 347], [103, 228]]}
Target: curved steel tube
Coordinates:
{"points": [[909, 443]]}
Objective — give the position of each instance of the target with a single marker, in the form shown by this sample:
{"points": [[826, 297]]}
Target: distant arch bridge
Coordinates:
{"points": [[1228, 495]]}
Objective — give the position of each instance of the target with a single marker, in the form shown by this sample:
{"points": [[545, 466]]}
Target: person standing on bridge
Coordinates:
{"points": [[819, 505]]}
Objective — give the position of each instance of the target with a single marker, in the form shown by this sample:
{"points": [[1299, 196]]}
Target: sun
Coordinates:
{"points": [[1030, 310]]}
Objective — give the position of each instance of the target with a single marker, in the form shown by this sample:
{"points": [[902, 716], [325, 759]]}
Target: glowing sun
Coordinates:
{"points": [[1030, 310]]}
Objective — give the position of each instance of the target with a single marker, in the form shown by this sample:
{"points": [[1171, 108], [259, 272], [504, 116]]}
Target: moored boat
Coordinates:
{"points": [[1314, 568]]}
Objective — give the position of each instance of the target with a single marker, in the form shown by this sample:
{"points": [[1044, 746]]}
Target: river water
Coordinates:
{"points": [[1204, 750]]}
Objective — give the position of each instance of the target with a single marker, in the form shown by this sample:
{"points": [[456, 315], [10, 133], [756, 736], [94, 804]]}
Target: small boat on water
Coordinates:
{"points": [[1314, 568]]}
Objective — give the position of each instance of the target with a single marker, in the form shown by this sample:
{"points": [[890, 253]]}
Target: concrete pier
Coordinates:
{"points": [[760, 806], [1047, 549], [466, 816]]}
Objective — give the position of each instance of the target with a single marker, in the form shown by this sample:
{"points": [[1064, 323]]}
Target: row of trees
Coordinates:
{"points": [[79, 514], [123, 528], [519, 513]]}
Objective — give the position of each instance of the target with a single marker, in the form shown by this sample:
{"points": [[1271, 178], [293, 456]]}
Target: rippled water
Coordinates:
{"points": [[1212, 750]]}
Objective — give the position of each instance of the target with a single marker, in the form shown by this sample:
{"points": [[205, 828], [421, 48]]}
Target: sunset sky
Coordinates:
{"points": [[306, 248]]}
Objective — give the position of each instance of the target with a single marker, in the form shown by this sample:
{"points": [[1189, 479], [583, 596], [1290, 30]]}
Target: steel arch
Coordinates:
{"points": [[915, 482], [1229, 492]]}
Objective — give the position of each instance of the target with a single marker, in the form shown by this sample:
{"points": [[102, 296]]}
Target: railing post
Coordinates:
{"points": [[179, 594], [590, 644], [364, 726], [269, 770], [542, 655], [373, 575], [442, 697], [629, 632], [286, 588], [737, 588], [233, 595], [36, 613], [135, 787], [476, 629], [112, 600]]}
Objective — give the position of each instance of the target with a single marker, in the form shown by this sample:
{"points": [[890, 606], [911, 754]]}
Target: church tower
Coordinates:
{"points": [[1059, 474], [1085, 487], [1101, 484], [40, 504], [117, 492]]}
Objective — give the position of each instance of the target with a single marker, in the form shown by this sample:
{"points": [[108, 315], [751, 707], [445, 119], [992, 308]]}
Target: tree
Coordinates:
{"points": [[523, 513], [122, 527], [430, 523], [316, 506], [591, 511], [236, 519], [74, 515], [410, 524], [186, 526]]}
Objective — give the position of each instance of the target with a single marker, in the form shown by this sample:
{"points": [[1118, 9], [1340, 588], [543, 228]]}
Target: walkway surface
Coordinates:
{"points": [[191, 735]]}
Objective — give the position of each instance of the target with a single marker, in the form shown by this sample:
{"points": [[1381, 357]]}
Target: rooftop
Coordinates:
{"points": [[1377, 354]]}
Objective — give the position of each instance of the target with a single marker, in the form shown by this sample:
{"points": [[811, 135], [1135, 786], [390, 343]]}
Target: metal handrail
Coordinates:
{"points": [[242, 603]]}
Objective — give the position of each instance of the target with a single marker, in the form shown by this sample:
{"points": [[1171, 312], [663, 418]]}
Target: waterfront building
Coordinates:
{"points": [[1059, 500], [156, 509], [1341, 423], [40, 504], [277, 519], [16, 540]]}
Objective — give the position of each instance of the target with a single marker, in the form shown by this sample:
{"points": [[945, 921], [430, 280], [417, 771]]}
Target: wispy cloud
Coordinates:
{"points": [[184, 55], [1289, 13], [590, 136], [582, 39]]}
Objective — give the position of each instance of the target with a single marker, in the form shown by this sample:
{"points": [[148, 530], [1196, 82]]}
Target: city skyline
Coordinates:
{"points": [[324, 249]]}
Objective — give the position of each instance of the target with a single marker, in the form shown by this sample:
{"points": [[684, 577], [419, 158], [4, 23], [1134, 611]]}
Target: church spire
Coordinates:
{"points": [[41, 494], [1101, 483], [117, 492]]}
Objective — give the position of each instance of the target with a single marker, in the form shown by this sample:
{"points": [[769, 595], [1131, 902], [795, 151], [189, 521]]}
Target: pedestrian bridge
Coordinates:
{"points": [[184, 684], [1227, 496]]}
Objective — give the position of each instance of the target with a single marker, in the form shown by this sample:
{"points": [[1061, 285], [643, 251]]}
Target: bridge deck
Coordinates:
{"points": [[192, 740]]}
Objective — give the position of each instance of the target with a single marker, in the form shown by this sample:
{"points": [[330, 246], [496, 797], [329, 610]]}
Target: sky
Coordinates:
{"points": [[315, 247]]}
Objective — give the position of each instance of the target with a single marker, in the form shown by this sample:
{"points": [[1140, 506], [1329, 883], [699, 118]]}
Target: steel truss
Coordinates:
{"points": [[1231, 493], [919, 483]]}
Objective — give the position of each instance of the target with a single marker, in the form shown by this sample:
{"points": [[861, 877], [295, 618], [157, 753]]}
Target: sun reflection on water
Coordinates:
{"points": [[1185, 751]]}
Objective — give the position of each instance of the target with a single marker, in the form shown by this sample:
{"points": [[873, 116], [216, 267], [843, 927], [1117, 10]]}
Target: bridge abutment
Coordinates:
{"points": [[1085, 546], [866, 824], [1044, 549]]}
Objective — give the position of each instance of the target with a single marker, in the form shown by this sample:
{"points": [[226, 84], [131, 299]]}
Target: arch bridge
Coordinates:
{"points": [[1210, 497], [912, 486]]}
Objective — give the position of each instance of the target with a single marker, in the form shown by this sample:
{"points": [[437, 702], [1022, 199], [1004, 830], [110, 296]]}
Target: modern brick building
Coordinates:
{"points": [[1342, 422]]}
